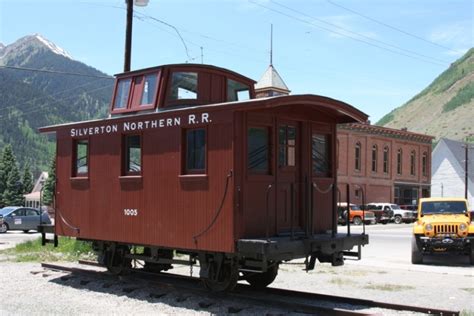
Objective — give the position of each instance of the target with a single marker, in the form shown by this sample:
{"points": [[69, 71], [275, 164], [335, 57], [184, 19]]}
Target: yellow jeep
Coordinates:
{"points": [[443, 225]]}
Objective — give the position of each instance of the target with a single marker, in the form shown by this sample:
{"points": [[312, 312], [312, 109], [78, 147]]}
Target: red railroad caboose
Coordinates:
{"points": [[189, 161]]}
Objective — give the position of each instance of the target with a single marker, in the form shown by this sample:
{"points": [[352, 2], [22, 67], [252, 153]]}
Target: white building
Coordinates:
{"points": [[33, 199], [448, 170]]}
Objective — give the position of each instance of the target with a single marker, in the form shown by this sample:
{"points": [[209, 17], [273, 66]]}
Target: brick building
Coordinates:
{"points": [[389, 165]]}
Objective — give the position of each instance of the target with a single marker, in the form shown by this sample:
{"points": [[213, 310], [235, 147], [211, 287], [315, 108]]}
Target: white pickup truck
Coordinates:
{"points": [[399, 215]]}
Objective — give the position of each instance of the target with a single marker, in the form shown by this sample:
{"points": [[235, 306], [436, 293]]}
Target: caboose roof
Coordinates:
{"points": [[340, 111], [204, 67]]}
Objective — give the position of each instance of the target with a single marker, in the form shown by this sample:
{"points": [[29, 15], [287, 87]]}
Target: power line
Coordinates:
{"points": [[359, 34], [345, 35], [3, 117], [389, 26], [57, 72]]}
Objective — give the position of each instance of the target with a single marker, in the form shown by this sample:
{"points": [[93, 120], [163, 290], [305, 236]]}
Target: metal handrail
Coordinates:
{"points": [[195, 237], [363, 206], [267, 194]]}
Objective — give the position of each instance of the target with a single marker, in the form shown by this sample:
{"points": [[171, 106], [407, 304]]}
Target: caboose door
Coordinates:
{"points": [[288, 176]]}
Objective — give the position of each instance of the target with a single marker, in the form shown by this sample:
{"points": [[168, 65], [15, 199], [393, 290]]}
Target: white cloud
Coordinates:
{"points": [[457, 35], [346, 26]]}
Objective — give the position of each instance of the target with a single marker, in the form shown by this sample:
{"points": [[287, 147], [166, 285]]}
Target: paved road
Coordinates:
{"points": [[390, 247], [11, 238]]}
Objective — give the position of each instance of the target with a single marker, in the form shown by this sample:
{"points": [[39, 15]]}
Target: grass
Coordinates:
{"points": [[69, 249], [464, 96], [341, 281], [469, 289], [467, 313], [389, 287]]}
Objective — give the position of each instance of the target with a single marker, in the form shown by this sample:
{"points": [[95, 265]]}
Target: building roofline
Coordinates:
{"points": [[386, 131]]}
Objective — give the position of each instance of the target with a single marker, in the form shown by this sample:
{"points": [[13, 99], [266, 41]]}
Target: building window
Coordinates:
{"points": [[287, 146], [321, 155], [133, 155], [413, 163], [357, 193], [385, 160], [399, 161], [81, 157], [374, 158], [237, 91], [357, 156], [424, 164], [195, 154], [184, 86], [258, 149]]}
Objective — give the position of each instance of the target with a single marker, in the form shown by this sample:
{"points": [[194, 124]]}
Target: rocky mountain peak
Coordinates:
{"points": [[32, 42]]}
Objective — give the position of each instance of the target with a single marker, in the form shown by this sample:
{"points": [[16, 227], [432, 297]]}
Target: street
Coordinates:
{"points": [[390, 247]]}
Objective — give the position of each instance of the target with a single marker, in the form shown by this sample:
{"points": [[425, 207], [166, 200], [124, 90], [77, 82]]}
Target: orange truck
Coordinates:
{"points": [[356, 215]]}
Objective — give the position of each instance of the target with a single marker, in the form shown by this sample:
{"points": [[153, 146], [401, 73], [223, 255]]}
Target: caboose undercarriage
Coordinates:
{"points": [[256, 260]]}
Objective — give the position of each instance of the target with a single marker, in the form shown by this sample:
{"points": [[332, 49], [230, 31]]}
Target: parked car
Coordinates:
{"points": [[382, 214], [443, 225], [399, 215], [22, 218], [356, 215]]}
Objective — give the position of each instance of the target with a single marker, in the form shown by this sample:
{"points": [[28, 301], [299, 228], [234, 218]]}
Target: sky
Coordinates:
{"points": [[374, 55]]}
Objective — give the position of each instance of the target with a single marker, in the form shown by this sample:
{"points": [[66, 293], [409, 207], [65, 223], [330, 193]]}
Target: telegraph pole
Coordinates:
{"points": [[466, 178], [128, 36]]}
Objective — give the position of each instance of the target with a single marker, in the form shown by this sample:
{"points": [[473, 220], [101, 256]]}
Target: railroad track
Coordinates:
{"points": [[294, 301]]}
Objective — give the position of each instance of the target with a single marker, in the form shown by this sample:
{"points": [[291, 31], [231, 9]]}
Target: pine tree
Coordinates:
{"points": [[50, 185], [7, 162], [27, 180], [13, 194]]}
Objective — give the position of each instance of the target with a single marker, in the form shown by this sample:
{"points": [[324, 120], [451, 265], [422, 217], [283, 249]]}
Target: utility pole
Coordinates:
{"points": [[128, 31], [466, 178], [128, 36]]}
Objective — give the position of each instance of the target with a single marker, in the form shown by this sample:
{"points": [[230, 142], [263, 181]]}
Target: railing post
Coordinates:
{"points": [[334, 210], [348, 218], [267, 233], [306, 201], [292, 208]]}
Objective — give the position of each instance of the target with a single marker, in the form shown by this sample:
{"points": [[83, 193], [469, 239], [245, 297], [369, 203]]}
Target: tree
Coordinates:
{"points": [[27, 180], [13, 194], [50, 184], [7, 163]]}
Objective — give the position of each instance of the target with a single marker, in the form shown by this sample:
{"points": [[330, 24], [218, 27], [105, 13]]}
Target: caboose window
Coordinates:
{"points": [[321, 155], [258, 157], [184, 85], [149, 90], [81, 157], [237, 91], [287, 143], [196, 150], [133, 154], [123, 91]]}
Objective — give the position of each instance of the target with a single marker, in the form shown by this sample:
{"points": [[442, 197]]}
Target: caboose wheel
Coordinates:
{"points": [[262, 280], [226, 280], [116, 261]]}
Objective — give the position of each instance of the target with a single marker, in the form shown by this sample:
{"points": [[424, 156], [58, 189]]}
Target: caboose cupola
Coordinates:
{"points": [[180, 85]]}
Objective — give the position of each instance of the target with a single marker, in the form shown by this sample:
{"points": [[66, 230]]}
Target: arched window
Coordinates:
{"points": [[374, 158], [424, 164], [399, 161], [385, 159], [413, 163], [357, 156]]}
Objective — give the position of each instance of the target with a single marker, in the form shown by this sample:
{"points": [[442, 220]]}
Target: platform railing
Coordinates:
{"points": [[347, 216]]}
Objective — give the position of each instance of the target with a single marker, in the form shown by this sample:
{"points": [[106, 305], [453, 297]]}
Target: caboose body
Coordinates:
{"points": [[189, 161]]}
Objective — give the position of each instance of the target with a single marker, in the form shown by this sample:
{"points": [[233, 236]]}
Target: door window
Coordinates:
{"points": [[287, 146]]}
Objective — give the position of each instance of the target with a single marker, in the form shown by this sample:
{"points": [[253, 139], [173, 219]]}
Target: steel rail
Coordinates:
{"points": [[283, 298], [192, 284]]}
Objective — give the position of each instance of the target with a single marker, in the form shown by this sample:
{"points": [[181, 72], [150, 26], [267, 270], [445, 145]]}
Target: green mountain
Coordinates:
{"points": [[31, 99], [443, 109]]}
